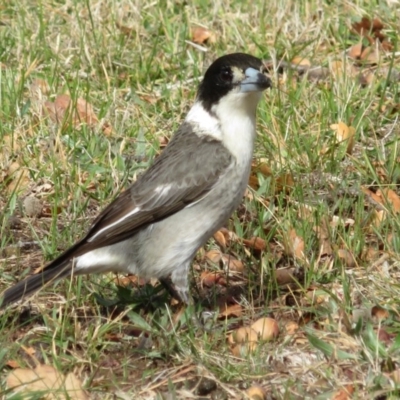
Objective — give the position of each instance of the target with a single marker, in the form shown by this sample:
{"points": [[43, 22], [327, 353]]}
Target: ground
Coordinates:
{"points": [[90, 93]]}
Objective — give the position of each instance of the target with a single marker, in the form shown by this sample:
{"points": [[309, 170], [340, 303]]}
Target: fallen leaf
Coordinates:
{"points": [[233, 264], [378, 216], [294, 244], [126, 30], [395, 375], [284, 276], [355, 51], [372, 30], [256, 393], [209, 279], [16, 178], [384, 336], [66, 111], [201, 35], [343, 133], [12, 364], [257, 168], [255, 243], [291, 327], [219, 237], [234, 310], [284, 183], [301, 61], [214, 256], [375, 199], [347, 257], [243, 350], [315, 296], [266, 328], [345, 393], [388, 195], [370, 55], [379, 313], [48, 379], [243, 334], [324, 237]]}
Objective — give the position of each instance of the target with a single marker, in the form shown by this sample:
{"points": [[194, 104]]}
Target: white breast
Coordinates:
{"points": [[232, 121]]}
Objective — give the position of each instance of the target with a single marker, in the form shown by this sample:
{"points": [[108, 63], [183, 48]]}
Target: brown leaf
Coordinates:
{"points": [[256, 168], [384, 336], [375, 199], [355, 51], [291, 327], [379, 313], [367, 28], [46, 378], [324, 237], [234, 310], [294, 244], [17, 178], [266, 328], [30, 351], [392, 197], [301, 61], [315, 296], [253, 182], [65, 110], [347, 257], [124, 29], [130, 280], [12, 364], [284, 276], [255, 243], [244, 334], [339, 70], [343, 133], [256, 393], [202, 35], [209, 279], [284, 183], [232, 263], [214, 256], [370, 55], [219, 237], [345, 393], [395, 375]]}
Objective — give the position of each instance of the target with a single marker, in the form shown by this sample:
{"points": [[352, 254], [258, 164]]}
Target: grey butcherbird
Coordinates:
{"points": [[155, 227]]}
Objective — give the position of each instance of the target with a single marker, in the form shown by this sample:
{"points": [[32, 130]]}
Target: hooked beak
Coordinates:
{"points": [[255, 81]]}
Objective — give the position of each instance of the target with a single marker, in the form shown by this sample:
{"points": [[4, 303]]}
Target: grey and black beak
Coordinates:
{"points": [[255, 81]]}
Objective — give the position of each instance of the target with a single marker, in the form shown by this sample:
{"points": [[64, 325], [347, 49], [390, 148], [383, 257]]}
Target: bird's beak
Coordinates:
{"points": [[255, 81]]}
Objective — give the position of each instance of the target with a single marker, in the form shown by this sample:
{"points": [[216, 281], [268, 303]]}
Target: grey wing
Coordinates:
{"points": [[185, 172]]}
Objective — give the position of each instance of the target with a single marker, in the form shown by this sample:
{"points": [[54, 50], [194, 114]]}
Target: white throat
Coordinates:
{"points": [[232, 121]]}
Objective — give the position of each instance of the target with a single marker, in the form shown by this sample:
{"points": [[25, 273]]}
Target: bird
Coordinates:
{"points": [[155, 227]]}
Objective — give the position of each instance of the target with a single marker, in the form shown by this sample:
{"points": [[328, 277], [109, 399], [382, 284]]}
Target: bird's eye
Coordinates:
{"points": [[226, 75]]}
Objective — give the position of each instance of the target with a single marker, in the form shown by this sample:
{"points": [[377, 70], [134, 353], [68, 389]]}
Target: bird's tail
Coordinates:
{"points": [[34, 282]]}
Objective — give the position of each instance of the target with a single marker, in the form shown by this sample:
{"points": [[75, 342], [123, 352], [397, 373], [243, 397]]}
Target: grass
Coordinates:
{"points": [[136, 65]]}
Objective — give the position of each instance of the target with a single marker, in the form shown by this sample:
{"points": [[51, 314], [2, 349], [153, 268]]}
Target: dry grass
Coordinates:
{"points": [[136, 64]]}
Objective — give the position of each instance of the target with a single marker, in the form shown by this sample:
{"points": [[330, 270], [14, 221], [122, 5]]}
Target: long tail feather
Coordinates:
{"points": [[33, 283]]}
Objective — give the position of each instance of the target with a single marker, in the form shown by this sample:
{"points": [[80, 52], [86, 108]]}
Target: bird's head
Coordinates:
{"points": [[236, 79]]}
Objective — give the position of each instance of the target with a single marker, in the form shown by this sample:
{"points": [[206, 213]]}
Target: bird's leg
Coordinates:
{"points": [[170, 289], [181, 283], [180, 280]]}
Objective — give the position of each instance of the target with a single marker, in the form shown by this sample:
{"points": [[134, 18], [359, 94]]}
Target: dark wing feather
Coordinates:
{"points": [[182, 166]]}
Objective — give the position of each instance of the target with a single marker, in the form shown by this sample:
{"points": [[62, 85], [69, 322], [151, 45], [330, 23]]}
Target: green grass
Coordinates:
{"points": [[134, 64]]}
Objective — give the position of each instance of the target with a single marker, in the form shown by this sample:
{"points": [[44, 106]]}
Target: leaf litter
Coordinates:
{"points": [[296, 307]]}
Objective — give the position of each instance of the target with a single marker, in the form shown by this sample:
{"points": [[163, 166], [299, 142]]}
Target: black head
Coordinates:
{"points": [[227, 73]]}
